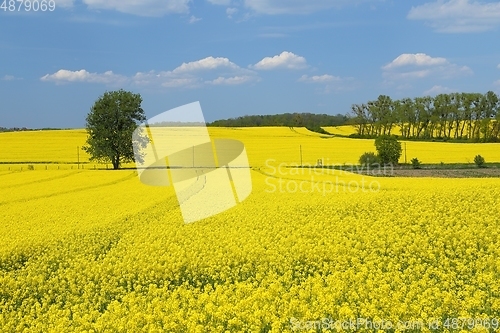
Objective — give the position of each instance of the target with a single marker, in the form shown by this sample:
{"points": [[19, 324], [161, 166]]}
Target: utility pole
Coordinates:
{"points": [[301, 156], [405, 152]]}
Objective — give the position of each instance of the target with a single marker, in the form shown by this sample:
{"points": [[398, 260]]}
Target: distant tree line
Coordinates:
{"points": [[470, 116], [13, 129], [311, 121], [24, 129]]}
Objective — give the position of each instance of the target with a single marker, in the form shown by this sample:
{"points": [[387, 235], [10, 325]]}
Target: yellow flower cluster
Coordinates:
{"points": [[36, 146], [97, 251], [282, 143]]}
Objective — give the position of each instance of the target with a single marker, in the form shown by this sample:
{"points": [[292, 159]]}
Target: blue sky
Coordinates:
{"points": [[240, 57]]}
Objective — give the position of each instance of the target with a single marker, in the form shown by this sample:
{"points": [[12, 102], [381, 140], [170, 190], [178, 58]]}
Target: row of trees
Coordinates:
{"points": [[309, 120], [115, 115], [13, 129], [471, 116]]}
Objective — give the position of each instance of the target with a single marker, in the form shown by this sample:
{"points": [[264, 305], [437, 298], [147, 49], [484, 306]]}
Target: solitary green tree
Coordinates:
{"points": [[110, 124], [368, 159], [388, 148], [479, 161]]}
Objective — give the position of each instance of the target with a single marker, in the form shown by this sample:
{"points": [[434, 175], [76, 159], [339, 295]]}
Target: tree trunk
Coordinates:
{"points": [[116, 162]]}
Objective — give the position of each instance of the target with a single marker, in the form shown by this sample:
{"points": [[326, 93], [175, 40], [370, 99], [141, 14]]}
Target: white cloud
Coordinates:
{"points": [[409, 75], [210, 70], [458, 16], [143, 7], [162, 7], [318, 78], [275, 7], [193, 74], [167, 79], [209, 63], [235, 80], [194, 19], [329, 83], [231, 11], [63, 75], [420, 65], [418, 59], [286, 60], [10, 78], [436, 90]]}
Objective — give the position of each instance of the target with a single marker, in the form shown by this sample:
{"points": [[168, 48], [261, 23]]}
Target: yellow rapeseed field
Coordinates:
{"points": [[282, 143], [309, 250], [340, 130], [39, 146], [286, 145]]}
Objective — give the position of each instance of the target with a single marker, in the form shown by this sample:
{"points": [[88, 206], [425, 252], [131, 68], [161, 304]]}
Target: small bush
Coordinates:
{"points": [[388, 149], [479, 161], [359, 136], [31, 167], [318, 129], [415, 163], [369, 158]]}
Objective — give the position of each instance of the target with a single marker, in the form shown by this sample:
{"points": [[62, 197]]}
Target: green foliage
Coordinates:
{"points": [[14, 129], [110, 124], [369, 158], [415, 163], [479, 161], [318, 129], [361, 136], [389, 149], [474, 117], [309, 120]]}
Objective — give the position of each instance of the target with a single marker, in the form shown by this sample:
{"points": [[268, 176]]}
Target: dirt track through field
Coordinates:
{"points": [[448, 173]]}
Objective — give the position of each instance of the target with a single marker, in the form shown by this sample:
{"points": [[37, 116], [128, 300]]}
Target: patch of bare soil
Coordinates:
{"points": [[447, 173]]}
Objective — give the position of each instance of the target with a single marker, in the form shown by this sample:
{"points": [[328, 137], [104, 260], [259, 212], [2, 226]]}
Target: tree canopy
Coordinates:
{"points": [[309, 120], [470, 116], [110, 125], [388, 149]]}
